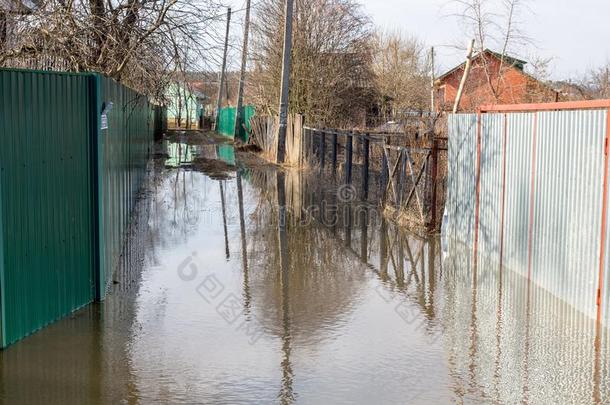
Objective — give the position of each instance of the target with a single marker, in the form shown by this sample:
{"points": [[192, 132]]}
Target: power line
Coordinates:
{"points": [[239, 10]]}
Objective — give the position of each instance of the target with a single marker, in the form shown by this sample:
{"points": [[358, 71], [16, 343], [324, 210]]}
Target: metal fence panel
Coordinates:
{"points": [[490, 204], [2, 269], [568, 180], [461, 177], [517, 199], [47, 271], [541, 200]]}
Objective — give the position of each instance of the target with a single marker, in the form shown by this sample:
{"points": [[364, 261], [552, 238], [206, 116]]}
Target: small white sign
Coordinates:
{"points": [[104, 121]]}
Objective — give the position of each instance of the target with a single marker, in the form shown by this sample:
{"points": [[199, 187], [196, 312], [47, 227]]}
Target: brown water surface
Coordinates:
{"points": [[225, 298]]}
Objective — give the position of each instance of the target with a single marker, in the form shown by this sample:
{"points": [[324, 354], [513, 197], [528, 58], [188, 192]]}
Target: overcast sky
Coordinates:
{"points": [[576, 33]]}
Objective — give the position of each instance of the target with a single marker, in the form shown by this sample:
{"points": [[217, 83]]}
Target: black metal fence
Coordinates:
{"points": [[408, 180]]}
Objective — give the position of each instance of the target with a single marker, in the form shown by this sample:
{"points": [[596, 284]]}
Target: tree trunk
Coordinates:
{"points": [[97, 9]]}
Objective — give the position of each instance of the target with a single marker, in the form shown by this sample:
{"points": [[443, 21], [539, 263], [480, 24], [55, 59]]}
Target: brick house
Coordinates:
{"points": [[493, 79]]}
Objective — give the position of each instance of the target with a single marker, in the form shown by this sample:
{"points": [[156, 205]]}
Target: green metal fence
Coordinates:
{"points": [[67, 188], [124, 146], [226, 121], [45, 150], [160, 121]]}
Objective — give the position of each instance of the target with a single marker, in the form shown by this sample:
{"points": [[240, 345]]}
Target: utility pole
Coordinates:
{"points": [[3, 29], [222, 72], [281, 139], [244, 60], [432, 79]]}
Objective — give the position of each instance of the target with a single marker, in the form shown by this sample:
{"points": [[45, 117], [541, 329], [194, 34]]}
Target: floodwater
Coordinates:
{"points": [[282, 288]]}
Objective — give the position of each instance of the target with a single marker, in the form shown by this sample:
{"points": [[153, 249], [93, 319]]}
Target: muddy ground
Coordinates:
{"points": [[246, 155]]}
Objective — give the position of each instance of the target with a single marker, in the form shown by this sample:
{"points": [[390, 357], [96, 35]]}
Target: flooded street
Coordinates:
{"points": [[225, 297]]}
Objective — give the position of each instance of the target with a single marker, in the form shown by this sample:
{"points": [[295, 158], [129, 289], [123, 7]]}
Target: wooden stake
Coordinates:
{"points": [[458, 97]]}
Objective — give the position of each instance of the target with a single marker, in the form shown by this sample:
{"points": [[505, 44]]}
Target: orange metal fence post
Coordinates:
{"points": [[602, 248]]}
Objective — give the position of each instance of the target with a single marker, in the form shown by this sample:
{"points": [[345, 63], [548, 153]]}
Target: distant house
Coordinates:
{"points": [[570, 91], [207, 83], [186, 105], [493, 79]]}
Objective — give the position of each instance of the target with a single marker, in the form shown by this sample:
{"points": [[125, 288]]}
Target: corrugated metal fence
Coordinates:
{"points": [[124, 150], [527, 187], [226, 121], [47, 270], [67, 184]]}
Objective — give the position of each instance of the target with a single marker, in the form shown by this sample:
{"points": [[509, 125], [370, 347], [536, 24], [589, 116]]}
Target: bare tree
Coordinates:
{"points": [[3, 29], [138, 42], [402, 74], [540, 68], [498, 25], [331, 78], [596, 83]]}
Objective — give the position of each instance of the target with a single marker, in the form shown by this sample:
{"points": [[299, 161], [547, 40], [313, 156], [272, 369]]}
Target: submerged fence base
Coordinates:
{"points": [[380, 168], [528, 187], [73, 153]]}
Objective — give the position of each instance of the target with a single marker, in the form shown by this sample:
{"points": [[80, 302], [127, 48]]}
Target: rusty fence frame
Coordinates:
{"points": [[535, 108], [401, 176]]}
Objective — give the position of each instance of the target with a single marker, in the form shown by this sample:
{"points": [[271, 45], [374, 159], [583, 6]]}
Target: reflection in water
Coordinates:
{"points": [[181, 154], [333, 304], [541, 350], [286, 394], [224, 219], [244, 244]]}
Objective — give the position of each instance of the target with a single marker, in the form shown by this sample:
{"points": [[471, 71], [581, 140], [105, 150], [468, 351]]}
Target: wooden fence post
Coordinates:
{"points": [[294, 146], [300, 143], [402, 167], [385, 170], [348, 158], [365, 167], [347, 217], [364, 227], [312, 148], [334, 151], [322, 150], [305, 157]]}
